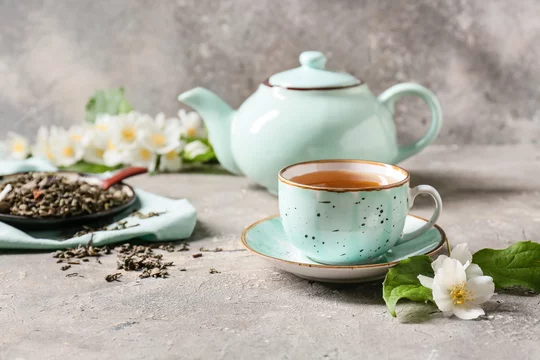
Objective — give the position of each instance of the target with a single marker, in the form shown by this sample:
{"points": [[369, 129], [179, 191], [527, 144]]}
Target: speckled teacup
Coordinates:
{"points": [[345, 226]]}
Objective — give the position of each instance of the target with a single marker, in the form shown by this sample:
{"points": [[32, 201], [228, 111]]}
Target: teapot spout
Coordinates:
{"points": [[217, 116]]}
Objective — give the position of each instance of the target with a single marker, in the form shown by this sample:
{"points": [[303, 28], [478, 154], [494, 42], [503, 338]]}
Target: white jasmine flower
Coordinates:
{"points": [[16, 146], [96, 146], [194, 149], [80, 134], [113, 155], [103, 123], [126, 130], [42, 149], [163, 136], [461, 253], [141, 156], [64, 150], [454, 293], [192, 123], [171, 161]]}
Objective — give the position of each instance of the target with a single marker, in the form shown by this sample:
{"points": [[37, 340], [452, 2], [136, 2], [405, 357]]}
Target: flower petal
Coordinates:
{"points": [[451, 273], [482, 289], [426, 281], [441, 295], [461, 253], [466, 312], [473, 270], [436, 265]]}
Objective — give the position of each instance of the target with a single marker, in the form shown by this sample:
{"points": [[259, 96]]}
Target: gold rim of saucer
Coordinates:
{"points": [[374, 188], [441, 244]]}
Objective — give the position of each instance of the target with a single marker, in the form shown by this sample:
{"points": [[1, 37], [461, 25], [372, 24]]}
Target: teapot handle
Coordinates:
{"points": [[389, 97]]}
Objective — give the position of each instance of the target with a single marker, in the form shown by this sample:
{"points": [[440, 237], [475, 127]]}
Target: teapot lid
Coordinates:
{"points": [[312, 75]]}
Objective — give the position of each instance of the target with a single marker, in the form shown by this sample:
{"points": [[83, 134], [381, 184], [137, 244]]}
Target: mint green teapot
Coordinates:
{"points": [[307, 113]]}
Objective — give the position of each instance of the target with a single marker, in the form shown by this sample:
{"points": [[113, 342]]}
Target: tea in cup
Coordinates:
{"points": [[346, 212]]}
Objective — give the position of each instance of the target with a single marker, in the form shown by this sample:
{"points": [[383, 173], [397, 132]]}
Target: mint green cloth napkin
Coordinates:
{"points": [[176, 220]]}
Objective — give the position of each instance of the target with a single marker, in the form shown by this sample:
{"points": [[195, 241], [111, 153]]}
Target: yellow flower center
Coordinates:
{"points": [[128, 134], [159, 139], [171, 155], [192, 132], [101, 127], [68, 151], [18, 147], [49, 154], [110, 145], [459, 294], [100, 152], [145, 154], [76, 137]]}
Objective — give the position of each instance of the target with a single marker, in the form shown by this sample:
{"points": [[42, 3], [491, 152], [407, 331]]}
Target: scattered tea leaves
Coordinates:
{"points": [[185, 247], [197, 255], [144, 259], [121, 225], [65, 267], [203, 249], [113, 277], [74, 275], [140, 215], [214, 271], [167, 247], [130, 258]]}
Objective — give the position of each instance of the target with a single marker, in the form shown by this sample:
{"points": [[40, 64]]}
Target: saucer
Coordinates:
{"points": [[266, 238]]}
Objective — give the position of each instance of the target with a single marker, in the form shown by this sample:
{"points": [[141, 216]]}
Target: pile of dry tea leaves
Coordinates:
{"points": [[130, 258], [54, 195], [142, 258]]}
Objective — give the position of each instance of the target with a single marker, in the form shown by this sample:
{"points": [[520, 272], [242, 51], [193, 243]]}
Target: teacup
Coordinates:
{"points": [[354, 215]]}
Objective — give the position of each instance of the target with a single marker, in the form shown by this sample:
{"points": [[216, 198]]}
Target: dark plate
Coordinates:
{"points": [[26, 222]]}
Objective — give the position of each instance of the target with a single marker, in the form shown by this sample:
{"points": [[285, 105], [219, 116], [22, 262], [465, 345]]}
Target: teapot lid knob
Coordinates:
{"points": [[313, 59]]}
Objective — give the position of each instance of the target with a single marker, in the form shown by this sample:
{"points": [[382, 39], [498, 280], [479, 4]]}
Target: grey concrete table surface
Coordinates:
{"points": [[251, 310]]}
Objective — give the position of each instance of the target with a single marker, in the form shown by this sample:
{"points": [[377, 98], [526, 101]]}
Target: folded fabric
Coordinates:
{"points": [[173, 220]]}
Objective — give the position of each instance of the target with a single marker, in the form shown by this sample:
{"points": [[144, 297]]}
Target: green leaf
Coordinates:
{"points": [[402, 282], [517, 265], [84, 167], [111, 101], [208, 157]]}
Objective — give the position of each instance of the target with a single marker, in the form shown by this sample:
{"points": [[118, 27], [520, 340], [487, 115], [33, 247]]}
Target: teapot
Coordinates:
{"points": [[308, 113]]}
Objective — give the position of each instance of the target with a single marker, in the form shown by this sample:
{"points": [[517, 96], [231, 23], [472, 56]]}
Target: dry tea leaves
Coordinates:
{"points": [[140, 215], [185, 247], [74, 275], [142, 258], [197, 255], [81, 252], [113, 277], [130, 258], [121, 225], [211, 250], [214, 271], [46, 195], [65, 267], [167, 247]]}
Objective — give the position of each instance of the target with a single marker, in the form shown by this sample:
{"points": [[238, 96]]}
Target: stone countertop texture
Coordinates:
{"points": [[251, 310]]}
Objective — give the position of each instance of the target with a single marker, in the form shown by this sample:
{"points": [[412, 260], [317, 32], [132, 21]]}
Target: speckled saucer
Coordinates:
{"points": [[266, 238]]}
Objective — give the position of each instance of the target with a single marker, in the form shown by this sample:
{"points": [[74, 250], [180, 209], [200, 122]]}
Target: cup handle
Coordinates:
{"points": [[389, 96], [413, 193]]}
